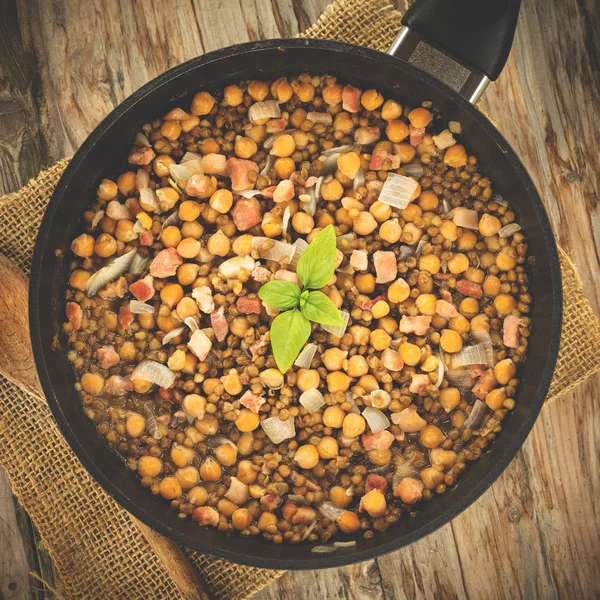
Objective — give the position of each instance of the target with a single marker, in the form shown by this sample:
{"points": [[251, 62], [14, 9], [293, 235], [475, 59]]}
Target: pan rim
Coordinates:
{"points": [[320, 561]]}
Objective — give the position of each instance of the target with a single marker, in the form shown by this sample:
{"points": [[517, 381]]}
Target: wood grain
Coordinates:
{"points": [[536, 532]]}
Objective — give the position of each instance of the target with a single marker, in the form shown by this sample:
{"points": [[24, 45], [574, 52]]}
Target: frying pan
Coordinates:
{"points": [[461, 42]]}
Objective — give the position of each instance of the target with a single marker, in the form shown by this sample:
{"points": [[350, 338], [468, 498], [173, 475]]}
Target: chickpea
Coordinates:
{"points": [[505, 262], [241, 518], [187, 477], [149, 466], [398, 291], [504, 304], [226, 454], [245, 147], [272, 378], [187, 273], [430, 364], [449, 230], [78, 279], [380, 309], [348, 522], [388, 324], [284, 166], [283, 145], [338, 382], [207, 426], [141, 386], [431, 436], [233, 95], [430, 263], [245, 444], [443, 458], [428, 201], [354, 425], [258, 90], [210, 470], [459, 263], [365, 283], [390, 231], [107, 190], [170, 129], [368, 383], [221, 201], [232, 384], [349, 164], [396, 130], [431, 477], [410, 490], [466, 240], [356, 366], [456, 156], [197, 496], [239, 326], [459, 324], [246, 472], [181, 455], [304, 91], [186, 307], [333, 416], [302, 223], [371, 99], [382, 212], [332, 94], [331, 190], [135, 425], [247, 420], [450, 341], [339, 497], [469, 307], [374, 503], [170, 488], [504, 371], [218, 244], [491, 285], [307, 379], [409, 353], [242, 245], [380, 457], [495, 399], [202, 103], [489, 225], [282, 90], [171, 294], [364, 223], [92, 383], [83, 245], [188, 124], [298, 117], [189, 210], [126, 183], [188, 248], [420, 117], [425, 303], [379, 339], [480, 323], [306, 457], [171, 236], [391, 110]]}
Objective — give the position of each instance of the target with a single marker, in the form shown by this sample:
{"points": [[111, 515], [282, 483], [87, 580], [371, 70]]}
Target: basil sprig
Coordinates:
{"points": [[291, 329]]}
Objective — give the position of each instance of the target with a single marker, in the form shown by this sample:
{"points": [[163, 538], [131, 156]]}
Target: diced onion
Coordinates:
{"points": [[338, 331], [238, 491], [280, 252], [189, 156], [440, 372], [154, 372], [321, 118], [414, 170], [509, 229], [172, 334], [312, 400], [498, 199], [404, 470], [151, 423], [344, 243], [446, 206], [305, 357], [419, 248], [309, 529], [359, 179], [268, 143], [376, 419], [214, 441], [474, 419], [231, 267], [391, 360], [97, 218], [249, 193], [142, 179], [191, 323], [148, 198], [477, 354], [287, 215], [330, 511], [301, 245], [314, 193], [379, 399], [260, 111], [138, 227], [138, 264], [297, 499], [323, 549], [278, 430], [461, 378], [483, 338], [406, 252], [267, 166], [173, 219], [464, 217], [181, 173], [141, 308], [109, 273], [345, 544], [141, 139], [397, 190]]}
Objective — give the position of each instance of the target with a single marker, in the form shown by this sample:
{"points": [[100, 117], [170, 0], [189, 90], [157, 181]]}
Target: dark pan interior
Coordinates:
{"points": [[105, 151]]}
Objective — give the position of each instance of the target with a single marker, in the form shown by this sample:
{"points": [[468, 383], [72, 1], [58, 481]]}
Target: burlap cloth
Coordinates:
{"points": [[96, 549]]}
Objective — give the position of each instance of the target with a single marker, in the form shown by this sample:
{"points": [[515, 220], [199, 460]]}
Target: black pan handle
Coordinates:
{"points": [[465, 43]]}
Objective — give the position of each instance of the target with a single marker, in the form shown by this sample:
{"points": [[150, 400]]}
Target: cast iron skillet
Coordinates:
{"points": [[105, 152]]}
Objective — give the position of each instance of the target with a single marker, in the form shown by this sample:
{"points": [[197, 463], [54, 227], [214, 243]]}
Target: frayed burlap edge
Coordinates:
{"points": [[97, 551]]}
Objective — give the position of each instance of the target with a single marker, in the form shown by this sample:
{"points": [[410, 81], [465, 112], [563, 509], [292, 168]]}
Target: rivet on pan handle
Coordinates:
{"points": [[464, 43]]}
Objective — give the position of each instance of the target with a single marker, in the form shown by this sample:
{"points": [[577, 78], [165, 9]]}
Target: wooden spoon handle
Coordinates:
{"points": [[17, 365]]}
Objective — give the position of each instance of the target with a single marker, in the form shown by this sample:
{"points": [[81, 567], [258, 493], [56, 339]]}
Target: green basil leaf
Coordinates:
{"points": [[280, 294], [317, 264], [320, 309], [289, 332]]}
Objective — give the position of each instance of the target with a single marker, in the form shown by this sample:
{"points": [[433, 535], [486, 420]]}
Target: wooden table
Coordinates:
{"points": [[536, 532]]}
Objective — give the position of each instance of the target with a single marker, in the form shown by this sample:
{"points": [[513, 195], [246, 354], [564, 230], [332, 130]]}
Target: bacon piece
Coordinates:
{"points": [[375, 482], [74, 315], [367, 304], [485, 385], [377, 441], [252, 401], [270, 502], [213, 164], [249, 305], [116, 289], [268, 192], [246, 213], [381, 159], [165, 393], [445, 294], [199, 186], [203, 297], [143, 289], [200, 344], [351, 98], [310, 181], [206, 515], [146, 238], [386, 266], [510, 331], [141, 156], [261, 342], [284, 191], [134, 206], [117, 211], [446, 309], [260, 274], [359, 260], [290, 276], [276, 125], [219, 324], [238, 169], [165, 263], [416, 135], [469, 288], [418, 382], [125, 316], [107, 356], [417, 325], [367, 135], [118, 386]]}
